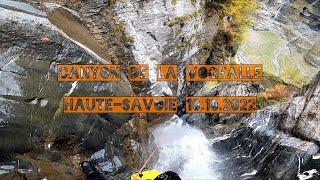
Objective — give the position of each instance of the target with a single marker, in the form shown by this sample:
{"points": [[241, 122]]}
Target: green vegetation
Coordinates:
{"points": [[273, 78], [239, 16], [264, 102], [128, 38], [180, 19], [196, 26], [120, 27], [277, 57], [206, 45], [210, 85], [276, 91], [296, 76], [233, 61]]}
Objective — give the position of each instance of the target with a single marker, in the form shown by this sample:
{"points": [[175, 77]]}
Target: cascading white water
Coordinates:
{"points": [[184, 150]]}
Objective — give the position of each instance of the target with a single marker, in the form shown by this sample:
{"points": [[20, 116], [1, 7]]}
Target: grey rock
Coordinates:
{"points": [[278, 142], [30, 94]]}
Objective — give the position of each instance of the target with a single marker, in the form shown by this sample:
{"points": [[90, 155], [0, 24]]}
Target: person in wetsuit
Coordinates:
{"points": [[169, 175]]}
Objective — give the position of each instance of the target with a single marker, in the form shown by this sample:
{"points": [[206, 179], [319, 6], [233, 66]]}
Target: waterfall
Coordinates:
{"points": [[184, 150]]}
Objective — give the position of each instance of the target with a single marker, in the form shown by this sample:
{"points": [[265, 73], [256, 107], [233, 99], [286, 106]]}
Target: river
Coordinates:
{"points": [[184, 150]]}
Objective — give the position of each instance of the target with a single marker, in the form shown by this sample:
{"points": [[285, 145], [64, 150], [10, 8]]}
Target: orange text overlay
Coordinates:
{"points": [[88, 72], [248, 72], [167, 72], [221, 104], [155, 104], [138, 72]]}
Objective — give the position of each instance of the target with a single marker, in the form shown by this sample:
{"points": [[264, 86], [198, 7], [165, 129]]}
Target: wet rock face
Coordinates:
{"points": [[31, 111], [167, 32], [215, 125], [278, 15], [31, 98], [152, 32], [258, 154], [307, 117], [29, 94], [278, 142], [152, 26], [285, 40]]}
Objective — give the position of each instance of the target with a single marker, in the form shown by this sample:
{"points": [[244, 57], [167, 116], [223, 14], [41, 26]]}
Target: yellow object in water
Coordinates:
{"points": [[146, 175]]}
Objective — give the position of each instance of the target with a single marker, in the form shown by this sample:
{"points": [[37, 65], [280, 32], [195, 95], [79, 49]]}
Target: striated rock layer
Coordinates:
{"points": [[37, 140], [31, 108]]}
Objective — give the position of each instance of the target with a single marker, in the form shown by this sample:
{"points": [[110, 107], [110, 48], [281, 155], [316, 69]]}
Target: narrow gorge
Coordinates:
{"points": [[280, 141]]}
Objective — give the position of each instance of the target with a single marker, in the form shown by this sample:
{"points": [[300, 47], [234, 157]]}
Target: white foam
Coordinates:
{"points": [[317, 156], [43, 102], [7, 167], [74, 86], [98, 154], [3, 172], [307, 174], [108, 166], [183, 149], [254, 172]]}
